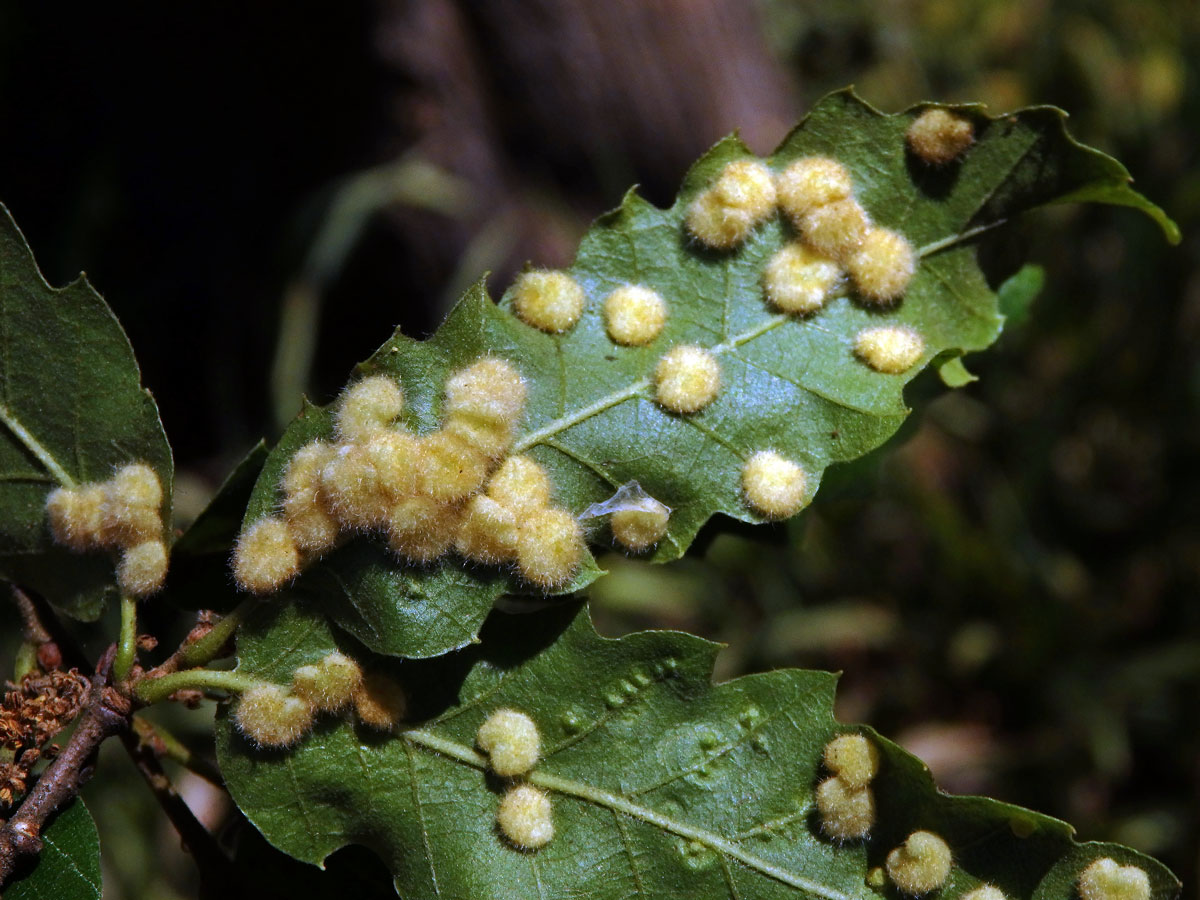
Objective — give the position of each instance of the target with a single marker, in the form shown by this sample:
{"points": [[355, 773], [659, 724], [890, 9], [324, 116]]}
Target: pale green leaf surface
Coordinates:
{"points": [[663, 785], [72, 408], [788, 384], [1017, 294], [954, 374], [68, 867]]}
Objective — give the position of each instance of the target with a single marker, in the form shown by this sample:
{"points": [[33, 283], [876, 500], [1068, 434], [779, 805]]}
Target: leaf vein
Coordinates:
{"points": [[66, 857], [416, 796], [624, 833], [712, 757], [44, 456], [624, 805], [725, 870], [584, 461]]}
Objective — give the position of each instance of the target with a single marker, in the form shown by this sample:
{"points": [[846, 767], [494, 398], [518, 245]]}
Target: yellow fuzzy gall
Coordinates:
{"points": [[549, 300], [853, 758], [743, 195], [634, 315], [526, 818], [921, 864], [1106, 879], [687, 379], [488, 533], [328, 685], [309, 520], [143, 568], [137, 485], [836, 229], [380, 702], [746, 184], [352, 489], [124, 524], [511, 740], [520, 484], [302, 477], [774, 486], [75, 516], [421, 529], [396, 457], [490, 389], [642, 527], [799, 280], [811, 182], [882, 266], [312, 527], [938, 136], [846, 813], [265, 557], [550, 547], [270, 716], [367, 407], [890, 349], [130, 513], [985, 892], [451, 469], [489, 440]]}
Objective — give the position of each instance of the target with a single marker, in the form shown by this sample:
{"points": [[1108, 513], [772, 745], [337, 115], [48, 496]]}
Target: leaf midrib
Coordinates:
{"points": [[30, 443], [66, 857], [640, 386], [616, 803]]}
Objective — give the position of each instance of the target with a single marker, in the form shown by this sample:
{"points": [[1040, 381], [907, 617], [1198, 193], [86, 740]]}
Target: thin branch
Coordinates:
{"points": [[212, 645], [35, 631], [61, 650], [214, 865], [166, 746], [206, 642], [107, 714]]}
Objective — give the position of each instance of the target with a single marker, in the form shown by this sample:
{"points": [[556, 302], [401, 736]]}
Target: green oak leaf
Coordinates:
{"points": [[788, 384], [68, 867], [663, 784], [72, 408], [1017, 294]]}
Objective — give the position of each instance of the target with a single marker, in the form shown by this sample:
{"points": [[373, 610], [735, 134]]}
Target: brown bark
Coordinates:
{"points": [[107, 714]]}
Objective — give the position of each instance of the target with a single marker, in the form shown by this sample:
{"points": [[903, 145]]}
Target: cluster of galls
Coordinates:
{"points": [[923, 862], [123, 514], [835, 239], [686, 379], [428, 494], [846, 807], [835, 234], [274, 716], [845, 800], [513, 744]]}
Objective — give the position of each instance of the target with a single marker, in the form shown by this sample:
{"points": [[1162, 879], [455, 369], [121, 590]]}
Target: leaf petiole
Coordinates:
{"points": [[155, 690], [127, 642]]}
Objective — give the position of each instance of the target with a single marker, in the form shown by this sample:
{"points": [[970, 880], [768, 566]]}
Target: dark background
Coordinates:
{"points": [[1012, 591]]}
